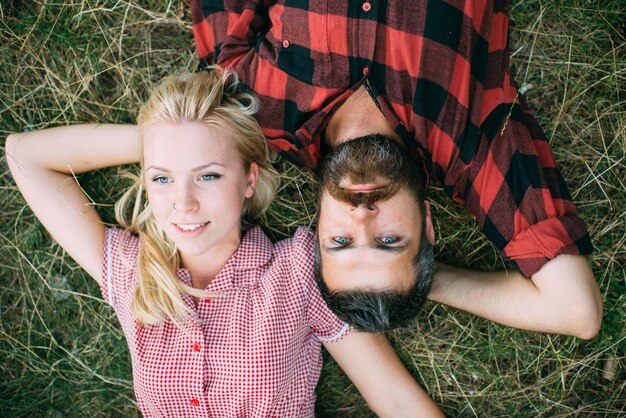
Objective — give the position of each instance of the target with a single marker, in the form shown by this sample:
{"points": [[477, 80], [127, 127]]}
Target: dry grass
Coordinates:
{"points": [[61, 350]]}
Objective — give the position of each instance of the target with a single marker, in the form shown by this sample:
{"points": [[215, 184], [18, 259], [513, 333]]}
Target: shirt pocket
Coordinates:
{"points": [[299, 41]]}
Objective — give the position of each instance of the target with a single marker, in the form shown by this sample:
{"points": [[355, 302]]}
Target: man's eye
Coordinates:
{"points": [[209, 177], [341, 240], [390, 239], [160, 179]]}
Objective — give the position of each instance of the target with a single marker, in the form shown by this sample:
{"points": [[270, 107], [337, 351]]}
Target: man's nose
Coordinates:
{"points": [[364, 212]]}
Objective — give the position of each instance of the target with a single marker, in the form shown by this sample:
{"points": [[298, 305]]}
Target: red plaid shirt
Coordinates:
{"points": [[252, 352], [439, 72]]}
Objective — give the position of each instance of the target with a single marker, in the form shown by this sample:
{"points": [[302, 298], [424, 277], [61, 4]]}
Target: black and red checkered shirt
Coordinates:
{"points": [[439, 71]]}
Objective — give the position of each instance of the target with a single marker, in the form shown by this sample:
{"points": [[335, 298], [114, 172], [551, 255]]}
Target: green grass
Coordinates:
{"points": [[61, 350]]}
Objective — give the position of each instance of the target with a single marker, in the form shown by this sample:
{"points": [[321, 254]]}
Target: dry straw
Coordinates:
{"points": [[61, 350]]}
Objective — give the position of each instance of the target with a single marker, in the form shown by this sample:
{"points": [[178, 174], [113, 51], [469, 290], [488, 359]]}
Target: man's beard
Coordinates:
{"points": [[372, 159]]}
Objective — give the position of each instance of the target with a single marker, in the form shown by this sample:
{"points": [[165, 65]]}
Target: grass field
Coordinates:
{"points": [[61, 350]]}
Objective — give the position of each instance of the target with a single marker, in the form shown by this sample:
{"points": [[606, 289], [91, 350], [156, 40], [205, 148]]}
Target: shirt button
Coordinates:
{"points": [[194, 402], [365, 70], [367, 6], [286, 43], [196, 346]]}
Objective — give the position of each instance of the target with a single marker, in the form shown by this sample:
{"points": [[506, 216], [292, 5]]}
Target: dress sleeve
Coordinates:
{"points": [[326, 326], [226, 30], [508, 177], [118, 269]]}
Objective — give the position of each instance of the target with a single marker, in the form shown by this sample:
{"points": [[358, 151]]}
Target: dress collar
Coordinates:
{"points": [[255, 250]]}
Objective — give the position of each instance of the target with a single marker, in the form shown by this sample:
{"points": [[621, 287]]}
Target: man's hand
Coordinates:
{"points": [[561, 298]]}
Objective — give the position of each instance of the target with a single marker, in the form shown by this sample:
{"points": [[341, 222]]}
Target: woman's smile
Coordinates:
{"points": [[190, 228]]}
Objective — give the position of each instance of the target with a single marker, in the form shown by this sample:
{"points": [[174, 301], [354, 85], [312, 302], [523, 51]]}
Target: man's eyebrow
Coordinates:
{"points": [[393, 248], [378, 246]]}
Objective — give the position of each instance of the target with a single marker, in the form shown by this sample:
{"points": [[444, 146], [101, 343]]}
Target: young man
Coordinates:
{"points": [[427, 81]]}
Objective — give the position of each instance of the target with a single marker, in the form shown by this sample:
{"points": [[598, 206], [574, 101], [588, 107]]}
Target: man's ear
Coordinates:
{"points": [[253, 175], [428, 223]]}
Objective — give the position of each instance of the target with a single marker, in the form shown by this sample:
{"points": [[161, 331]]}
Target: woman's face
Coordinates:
{"points": [[196, 184]]}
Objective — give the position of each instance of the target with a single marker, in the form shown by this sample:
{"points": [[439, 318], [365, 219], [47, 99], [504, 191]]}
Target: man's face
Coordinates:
{"points": [[370, 222]]}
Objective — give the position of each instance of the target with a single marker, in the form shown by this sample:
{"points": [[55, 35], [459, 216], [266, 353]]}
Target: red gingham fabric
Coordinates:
{"points": [[439, 71], [254, 351]]}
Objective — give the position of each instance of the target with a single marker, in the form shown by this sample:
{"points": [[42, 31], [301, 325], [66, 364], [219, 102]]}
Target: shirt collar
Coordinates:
{"points": [[254, 251]]}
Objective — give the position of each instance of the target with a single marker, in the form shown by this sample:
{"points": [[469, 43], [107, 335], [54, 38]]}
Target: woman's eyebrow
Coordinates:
{"points": [[154, 167], [200, 167], [203, 166]]}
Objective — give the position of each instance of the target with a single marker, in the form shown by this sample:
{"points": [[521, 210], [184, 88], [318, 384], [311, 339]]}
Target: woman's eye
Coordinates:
{"points": [[161, 179], [341, 240], [389, 240], [209, 177]]}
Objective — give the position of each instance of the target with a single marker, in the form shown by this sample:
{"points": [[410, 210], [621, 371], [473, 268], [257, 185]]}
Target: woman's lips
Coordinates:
{"points": [[190, 229]]}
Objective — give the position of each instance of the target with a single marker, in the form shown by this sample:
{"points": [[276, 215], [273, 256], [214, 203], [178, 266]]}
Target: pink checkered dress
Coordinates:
{"points": [[252, 352]]}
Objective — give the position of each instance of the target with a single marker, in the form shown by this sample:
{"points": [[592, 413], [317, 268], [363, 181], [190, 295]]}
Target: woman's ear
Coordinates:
{"points": [[253, 175]]}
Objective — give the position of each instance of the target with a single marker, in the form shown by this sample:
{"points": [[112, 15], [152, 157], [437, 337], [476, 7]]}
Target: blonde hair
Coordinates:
{"points": [[214, 98]]}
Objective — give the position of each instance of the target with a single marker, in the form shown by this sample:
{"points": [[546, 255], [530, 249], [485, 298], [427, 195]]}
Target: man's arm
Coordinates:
{"points": [[562, 297], [379, 375], [502, 169]]}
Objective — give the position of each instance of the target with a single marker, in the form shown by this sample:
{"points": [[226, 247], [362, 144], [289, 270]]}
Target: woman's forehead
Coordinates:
{"points": [[188, 144]]}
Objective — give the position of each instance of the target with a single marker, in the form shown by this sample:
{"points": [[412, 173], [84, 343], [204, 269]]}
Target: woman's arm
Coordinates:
{"points": [[373, 366], [43, 164]]}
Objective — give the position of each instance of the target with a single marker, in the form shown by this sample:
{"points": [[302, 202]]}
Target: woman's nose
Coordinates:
{"points": [[185, 199]]}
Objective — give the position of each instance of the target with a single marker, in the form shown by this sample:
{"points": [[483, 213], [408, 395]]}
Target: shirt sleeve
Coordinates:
{"points": [[520, 198], [226, 30], [326, 326], [118, 269], [503, 169]]}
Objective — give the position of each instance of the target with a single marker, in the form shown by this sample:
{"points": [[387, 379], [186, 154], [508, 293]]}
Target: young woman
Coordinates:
{"points": [[219, 321]]}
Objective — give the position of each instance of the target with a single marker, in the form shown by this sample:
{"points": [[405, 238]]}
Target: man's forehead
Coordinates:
{"points": [[360, 269]]}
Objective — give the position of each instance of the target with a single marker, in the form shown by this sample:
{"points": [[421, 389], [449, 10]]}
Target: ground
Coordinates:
{"points": [[61, 350]]}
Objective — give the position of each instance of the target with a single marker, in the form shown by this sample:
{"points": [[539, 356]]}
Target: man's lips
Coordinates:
{"points": [[362, 188]]}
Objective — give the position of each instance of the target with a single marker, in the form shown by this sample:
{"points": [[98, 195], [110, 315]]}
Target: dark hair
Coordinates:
{"points": [[380, 311]]}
